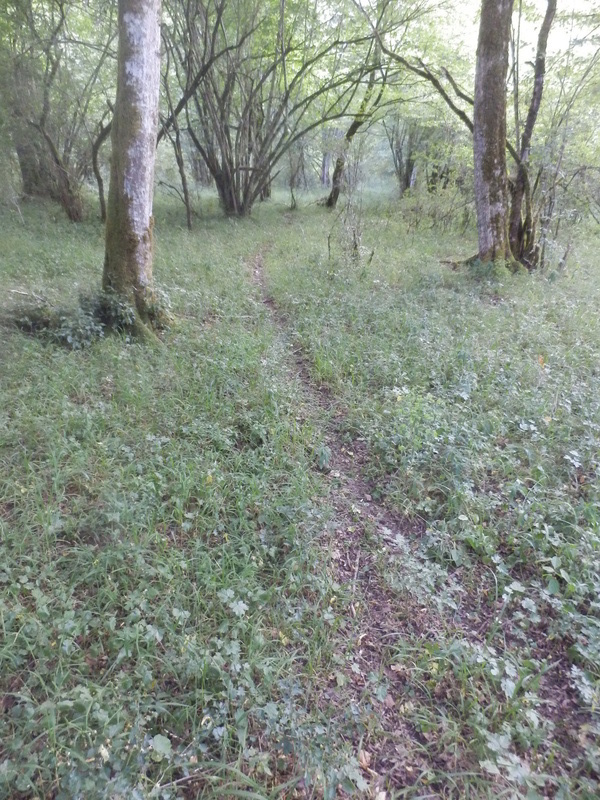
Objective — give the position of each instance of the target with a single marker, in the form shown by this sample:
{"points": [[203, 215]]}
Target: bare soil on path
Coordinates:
{"points": [[393, 755]]}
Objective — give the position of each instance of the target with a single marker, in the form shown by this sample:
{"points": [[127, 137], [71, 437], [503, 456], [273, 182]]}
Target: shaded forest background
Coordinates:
{"points": [[309, 96]]}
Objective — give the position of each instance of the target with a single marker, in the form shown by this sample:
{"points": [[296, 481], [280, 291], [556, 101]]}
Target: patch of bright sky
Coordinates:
{"points": [[462, 18]]}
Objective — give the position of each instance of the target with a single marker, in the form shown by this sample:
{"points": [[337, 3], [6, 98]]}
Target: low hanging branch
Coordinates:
{"points": [[429, 75]]}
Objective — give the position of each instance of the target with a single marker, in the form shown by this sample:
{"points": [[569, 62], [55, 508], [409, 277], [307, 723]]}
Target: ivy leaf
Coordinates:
{"points": [[489, 767], [323, 456], [553, 586]]}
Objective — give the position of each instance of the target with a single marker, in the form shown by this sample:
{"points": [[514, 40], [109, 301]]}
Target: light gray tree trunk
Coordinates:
{"points": [[128, 252], [489, 131]]}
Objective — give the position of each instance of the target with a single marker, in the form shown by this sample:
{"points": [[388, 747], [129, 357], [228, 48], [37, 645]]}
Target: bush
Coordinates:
{"points": [[77, 328]]}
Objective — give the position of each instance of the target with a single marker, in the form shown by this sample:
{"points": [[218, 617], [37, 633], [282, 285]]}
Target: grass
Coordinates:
{"points": [[478, 400], [172, 618], [157, 512]]}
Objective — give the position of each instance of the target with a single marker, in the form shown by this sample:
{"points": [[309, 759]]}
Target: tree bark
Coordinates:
{"points": [[96, 145], [37, 174], [521, 227], [340, 162], [364, 115], [178, 150], [489, 131], [128, 253], [68, 191], [325, 163]]}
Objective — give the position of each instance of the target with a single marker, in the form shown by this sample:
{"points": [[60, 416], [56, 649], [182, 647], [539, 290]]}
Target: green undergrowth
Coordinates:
{"points": [[477, 398], [169, 611], [165, 599]]}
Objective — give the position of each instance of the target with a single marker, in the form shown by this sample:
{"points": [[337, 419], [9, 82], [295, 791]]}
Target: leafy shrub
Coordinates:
{"points": [[78, 328], [109, 309], [73, 328]]}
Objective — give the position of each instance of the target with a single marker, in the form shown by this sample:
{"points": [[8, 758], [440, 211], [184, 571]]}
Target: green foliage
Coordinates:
{"points": [[173, 622], [475, 393], [163, 605], [74, 328], [110, 310], [80, 327], [488, 271]]}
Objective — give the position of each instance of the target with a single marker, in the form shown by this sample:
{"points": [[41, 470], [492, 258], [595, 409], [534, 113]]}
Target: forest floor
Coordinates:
{"points": [[340, 537]]}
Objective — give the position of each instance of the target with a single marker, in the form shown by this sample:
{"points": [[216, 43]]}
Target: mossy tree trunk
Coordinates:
{"points": [[44, 173], [489, 131], [37, 172], [68, 191], [128, 252]]}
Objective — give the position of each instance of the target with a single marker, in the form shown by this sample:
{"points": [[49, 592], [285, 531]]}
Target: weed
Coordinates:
{"points": [[476, 394], [172, 620]]}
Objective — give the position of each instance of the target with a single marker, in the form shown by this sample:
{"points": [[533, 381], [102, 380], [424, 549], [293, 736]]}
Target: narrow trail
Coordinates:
{"points": [[367, 532], [364, 527]]}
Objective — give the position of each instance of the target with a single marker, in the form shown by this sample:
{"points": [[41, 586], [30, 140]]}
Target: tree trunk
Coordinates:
{"points": [[200, 172], [522, 227], [325, 162], [265, 192], [364, 114], [338, 171], [489, 131], [403, 138], [36, 174], [128, 254], [227, 193], [68, 190], [44, 174], [178, 149], [97, 144], [340, 162]]}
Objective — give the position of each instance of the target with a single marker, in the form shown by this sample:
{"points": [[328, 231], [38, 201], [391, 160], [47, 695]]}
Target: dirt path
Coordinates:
{"points": [[363, 526], [394, 755]]}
